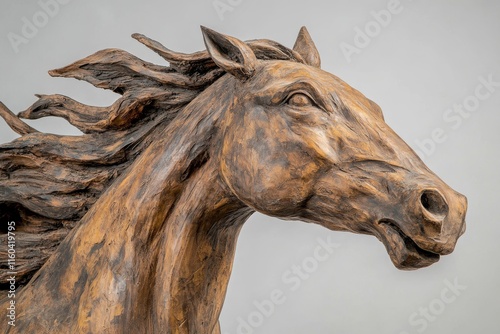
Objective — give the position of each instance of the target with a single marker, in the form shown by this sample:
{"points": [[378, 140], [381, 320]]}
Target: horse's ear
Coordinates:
{"points": [[229, 53], [304, 46]]}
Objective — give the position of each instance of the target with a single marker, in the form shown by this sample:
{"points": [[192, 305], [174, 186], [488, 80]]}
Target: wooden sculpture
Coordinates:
{"points": [[132, 227]]}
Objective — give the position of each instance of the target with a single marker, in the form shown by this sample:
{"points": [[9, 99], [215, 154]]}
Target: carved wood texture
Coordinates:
{"points": [[132, 227]]}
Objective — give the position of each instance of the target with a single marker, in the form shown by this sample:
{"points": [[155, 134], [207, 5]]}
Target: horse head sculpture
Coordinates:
{"points": [[316, 149], [179, 163]]}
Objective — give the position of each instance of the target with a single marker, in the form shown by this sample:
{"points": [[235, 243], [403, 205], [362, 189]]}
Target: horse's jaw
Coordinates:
{"points": [[405, 253]]}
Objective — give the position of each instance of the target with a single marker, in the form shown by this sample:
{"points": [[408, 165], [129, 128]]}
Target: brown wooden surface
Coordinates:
{"points": [[132, 227]]}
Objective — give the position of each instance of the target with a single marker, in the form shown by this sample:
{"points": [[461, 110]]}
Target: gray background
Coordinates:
{"points": [[426, 59]]}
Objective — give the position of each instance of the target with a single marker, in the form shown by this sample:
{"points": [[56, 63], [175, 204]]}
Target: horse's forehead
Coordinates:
{"points": [[276, 73]]}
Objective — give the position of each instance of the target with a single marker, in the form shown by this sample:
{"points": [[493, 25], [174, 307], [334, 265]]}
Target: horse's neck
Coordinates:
{"points": [[154, 254], [196, 251]]}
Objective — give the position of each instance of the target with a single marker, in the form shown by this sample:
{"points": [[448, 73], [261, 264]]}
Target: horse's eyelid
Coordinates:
{"points": [[291, 93], [282, 97]]}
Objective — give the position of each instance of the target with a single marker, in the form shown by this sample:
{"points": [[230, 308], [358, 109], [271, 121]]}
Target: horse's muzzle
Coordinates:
{"points": [[442, 214]]}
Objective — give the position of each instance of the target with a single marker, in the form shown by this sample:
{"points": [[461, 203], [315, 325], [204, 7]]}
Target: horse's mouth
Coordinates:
{"points": [[404, 252]]}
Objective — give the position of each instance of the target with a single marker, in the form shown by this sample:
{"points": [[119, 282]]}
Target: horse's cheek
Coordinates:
{"points": [[236, 171], [269, 187]]}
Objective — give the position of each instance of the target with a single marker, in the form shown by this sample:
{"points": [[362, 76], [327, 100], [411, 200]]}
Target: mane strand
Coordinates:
{"points": [[14, 122]]}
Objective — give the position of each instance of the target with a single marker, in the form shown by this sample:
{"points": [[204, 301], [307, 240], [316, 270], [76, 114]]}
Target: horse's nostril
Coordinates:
{"points": [[434, 203]]}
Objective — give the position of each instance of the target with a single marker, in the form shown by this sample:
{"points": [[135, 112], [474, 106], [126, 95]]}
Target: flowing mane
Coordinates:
{"points": [[48, 182]]}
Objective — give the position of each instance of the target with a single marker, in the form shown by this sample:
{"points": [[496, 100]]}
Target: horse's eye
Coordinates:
{"points": [[300, 100]]}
